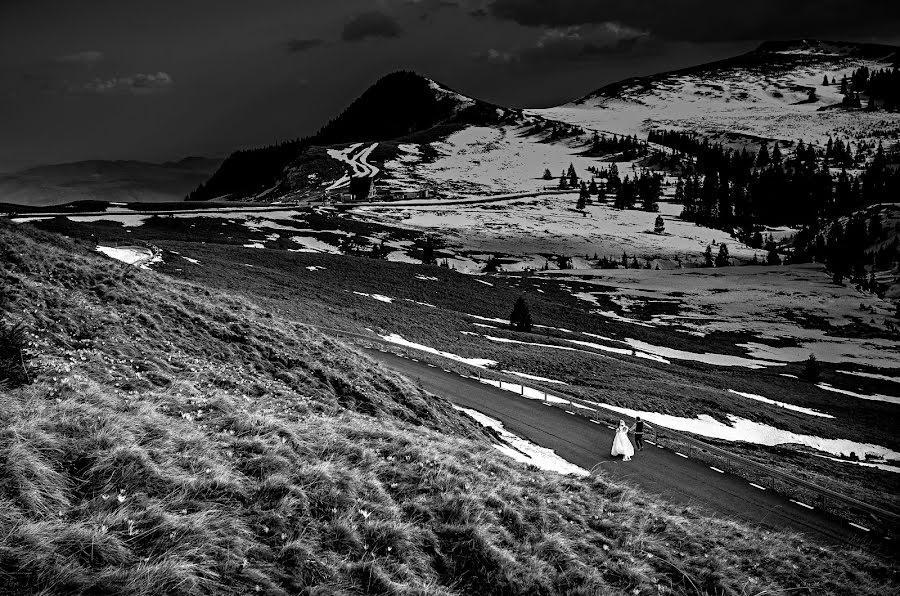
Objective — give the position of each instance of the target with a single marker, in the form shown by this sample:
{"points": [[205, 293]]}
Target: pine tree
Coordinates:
{"points": [[547, 174], [520, 319], [428, 251], [825, 81], [592, 187], [708, 257], [722, 259], [573, 177], [811, 369], [762, 158], [659, 226], [563, 183]]}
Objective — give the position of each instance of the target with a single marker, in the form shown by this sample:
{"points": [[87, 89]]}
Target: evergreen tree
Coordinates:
{"points": [[762, 158], [659, 226], [563, 183], [811, 369], [428, 251], [757, 240], [722, 259], [825, 81], [520, 319], [708, 257], [572, 176], [547, 174], [592, 187]]}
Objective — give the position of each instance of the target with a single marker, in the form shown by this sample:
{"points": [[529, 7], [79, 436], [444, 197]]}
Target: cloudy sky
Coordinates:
{"points": [[132, 79]]}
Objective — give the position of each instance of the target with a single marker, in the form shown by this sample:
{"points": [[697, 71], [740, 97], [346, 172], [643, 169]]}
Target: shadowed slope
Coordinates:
{"points": [[177, 441]]}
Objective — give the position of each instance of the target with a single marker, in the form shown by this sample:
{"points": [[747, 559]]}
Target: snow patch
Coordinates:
{"points": [[781, 404], [874, 397], [525, 451], [400, 341]]}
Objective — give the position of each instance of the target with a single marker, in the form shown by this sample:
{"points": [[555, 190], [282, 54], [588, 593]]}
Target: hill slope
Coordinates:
{"points": [[175, 440], [113, 181], [399, 104], [764, 94]]}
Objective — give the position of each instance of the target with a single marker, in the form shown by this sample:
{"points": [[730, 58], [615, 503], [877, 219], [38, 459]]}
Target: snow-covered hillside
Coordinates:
{"points": [[486, 160], [529, 232], [764, 94]]}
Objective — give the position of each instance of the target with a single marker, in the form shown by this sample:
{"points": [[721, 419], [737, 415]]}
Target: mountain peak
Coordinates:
{"points": [[398, 104]]}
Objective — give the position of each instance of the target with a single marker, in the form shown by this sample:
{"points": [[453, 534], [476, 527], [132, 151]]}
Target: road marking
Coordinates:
{"points": [[863, 528], [681, 455], [757, 486], [802, 504], [717, 470]]}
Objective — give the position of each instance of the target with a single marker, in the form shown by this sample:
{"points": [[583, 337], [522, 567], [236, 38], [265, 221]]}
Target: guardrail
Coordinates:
{"points": [[888, 520], [697, 448]]}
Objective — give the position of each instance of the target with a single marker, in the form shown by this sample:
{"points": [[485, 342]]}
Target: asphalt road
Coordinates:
{"points": [[675, 478]]}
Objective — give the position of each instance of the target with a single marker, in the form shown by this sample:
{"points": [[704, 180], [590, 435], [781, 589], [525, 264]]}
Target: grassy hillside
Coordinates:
{"points": [[179, 440]]}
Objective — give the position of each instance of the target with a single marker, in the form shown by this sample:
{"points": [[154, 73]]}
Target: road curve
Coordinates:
{"points": [[674, 477]]}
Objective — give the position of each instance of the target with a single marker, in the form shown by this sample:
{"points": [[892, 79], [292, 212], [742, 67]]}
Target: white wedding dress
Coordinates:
{"points": [[621, 445]]}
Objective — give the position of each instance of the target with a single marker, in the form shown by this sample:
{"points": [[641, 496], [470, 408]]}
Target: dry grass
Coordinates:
{"points": [[177, 441]]}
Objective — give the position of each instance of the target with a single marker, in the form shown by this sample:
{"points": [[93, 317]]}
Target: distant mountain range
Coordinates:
{"points": [[100, 180], [773, 93]]}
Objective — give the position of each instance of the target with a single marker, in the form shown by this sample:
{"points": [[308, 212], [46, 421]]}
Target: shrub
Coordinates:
{"points": [[812, 369], [13, 358], [520, 319]]}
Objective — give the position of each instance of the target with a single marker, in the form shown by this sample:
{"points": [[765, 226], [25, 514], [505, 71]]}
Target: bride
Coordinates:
{"points": [[621, 445]]}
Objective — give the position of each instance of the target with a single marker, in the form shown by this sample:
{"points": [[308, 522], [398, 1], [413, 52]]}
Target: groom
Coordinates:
{"points": [[639, 433]]}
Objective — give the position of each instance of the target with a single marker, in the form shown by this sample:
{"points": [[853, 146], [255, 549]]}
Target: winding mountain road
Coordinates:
{"points": [[674, 476]]}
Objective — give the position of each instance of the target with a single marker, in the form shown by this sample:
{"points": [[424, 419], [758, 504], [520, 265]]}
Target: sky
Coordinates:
{"points": [[156, 81]]}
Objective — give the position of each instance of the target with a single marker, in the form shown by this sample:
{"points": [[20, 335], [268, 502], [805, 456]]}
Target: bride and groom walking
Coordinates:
{"points": [[621, 445]]}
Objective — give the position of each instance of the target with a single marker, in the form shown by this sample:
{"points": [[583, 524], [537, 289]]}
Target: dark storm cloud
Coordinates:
{"points": [[567, 44], [85, 58], [712, 20], [136, 84], [371, 24], [296, 46]]}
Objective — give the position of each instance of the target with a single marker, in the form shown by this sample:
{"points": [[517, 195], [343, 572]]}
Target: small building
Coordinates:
{"points": [[407, 195]]}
